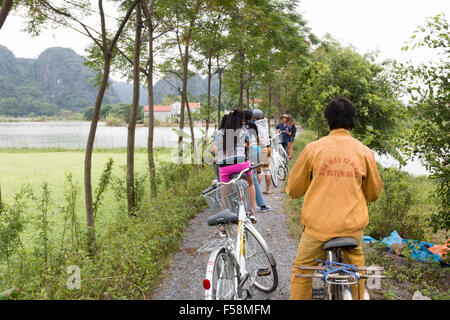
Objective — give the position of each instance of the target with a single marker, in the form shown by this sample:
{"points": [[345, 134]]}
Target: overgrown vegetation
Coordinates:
{"points": [[131, 253], [405, 276]]}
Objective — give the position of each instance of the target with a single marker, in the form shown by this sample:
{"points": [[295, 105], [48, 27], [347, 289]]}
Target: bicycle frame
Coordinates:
{"points": [[278, 150], [237, 249], [338, 285]]}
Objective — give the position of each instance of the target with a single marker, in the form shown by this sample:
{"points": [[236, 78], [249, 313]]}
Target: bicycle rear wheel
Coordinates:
{"points": [[259, 261], [339, 291], [223, 280], [281, 173]]}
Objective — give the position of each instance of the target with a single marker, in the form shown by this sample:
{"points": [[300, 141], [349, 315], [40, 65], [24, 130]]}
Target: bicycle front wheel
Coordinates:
{"points": [[223, 280], [274, 172], [259, 261]]}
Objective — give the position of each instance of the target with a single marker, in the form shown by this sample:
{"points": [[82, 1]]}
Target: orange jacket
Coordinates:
{"points": [[337, 174]]}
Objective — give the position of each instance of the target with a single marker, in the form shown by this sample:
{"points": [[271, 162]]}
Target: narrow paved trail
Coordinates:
{"points": [[183, 279]]}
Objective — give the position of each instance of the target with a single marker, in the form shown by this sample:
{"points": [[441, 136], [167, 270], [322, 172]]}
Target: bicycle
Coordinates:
{"points": [[278, 163], [337, 276], [242, 260]]}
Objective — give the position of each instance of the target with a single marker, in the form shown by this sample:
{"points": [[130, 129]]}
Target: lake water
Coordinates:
{"points": [[73, 135]]}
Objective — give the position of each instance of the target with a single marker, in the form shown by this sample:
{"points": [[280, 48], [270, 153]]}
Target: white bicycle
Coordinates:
{"points": [[242, 260], [278, 160]]}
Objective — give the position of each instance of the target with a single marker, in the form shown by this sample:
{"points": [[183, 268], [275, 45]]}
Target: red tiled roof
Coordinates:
{"points": [[159, 108], [194, 105]]}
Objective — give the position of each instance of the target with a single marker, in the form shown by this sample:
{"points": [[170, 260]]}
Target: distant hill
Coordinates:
{"points": [[169, 85], [57, 79]]}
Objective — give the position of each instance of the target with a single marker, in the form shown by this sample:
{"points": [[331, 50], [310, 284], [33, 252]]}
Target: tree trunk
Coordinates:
{"points": [[107, 48], [151, 114], [270, 105], [88, 155], [241, 92], [4, 10], [241, 80], [194, 156], [187, 41], [208, 115], [248, 96], [219, 97], [131, 194]]}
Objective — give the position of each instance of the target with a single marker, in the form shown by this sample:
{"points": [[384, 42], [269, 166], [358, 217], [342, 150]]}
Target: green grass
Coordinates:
{"points": [[36, 166]]}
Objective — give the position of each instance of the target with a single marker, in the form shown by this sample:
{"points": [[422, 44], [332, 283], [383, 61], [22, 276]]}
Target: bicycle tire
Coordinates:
{"points": [[281, 173], [222, 276], [273, 173], [284, 157], [260, 259]]}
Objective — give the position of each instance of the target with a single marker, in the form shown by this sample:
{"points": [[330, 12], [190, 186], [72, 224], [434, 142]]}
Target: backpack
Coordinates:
{"points": [[263, 132]]}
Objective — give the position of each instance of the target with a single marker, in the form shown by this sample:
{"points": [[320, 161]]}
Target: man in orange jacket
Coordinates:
{"points": [[337, 174]]}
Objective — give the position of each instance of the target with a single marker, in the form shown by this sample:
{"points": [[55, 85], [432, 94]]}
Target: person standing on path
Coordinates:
{"points": [[337, 174], [253, 155], [291, 137], [264, 147], [285, 130]]}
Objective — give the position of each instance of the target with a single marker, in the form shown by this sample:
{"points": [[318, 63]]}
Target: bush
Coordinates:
{"points": [[114, 120], [394, 210]]}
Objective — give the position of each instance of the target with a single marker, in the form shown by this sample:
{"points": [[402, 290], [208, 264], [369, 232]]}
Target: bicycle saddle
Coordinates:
{"points": [[224, 216], [340, 242]]}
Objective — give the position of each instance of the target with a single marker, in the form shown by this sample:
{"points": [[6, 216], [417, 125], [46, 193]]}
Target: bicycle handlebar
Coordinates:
{"points": [[214, 186]]}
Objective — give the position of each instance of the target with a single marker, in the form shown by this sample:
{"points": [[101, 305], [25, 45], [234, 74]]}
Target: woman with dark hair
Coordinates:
{"points": [[291, 137], [214, 147], [230, 145]]}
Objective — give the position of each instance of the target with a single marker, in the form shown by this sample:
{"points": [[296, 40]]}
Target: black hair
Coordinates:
{"points": [[248, 115], [340, 113], [234, 121], [223, 121]]}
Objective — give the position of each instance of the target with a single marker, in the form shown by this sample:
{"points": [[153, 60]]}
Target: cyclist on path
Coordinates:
{"points": [[229, 149], [337, 174]]}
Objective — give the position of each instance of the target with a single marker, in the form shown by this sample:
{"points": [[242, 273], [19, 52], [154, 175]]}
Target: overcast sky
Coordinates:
{"points": [[368, 25]]}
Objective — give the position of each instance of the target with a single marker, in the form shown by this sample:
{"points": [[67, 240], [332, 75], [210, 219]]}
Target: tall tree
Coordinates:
{"points": [[131, 195], [428, 88], [105, 45]]}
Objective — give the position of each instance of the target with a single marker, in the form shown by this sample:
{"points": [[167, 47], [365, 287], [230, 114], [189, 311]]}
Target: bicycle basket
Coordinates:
{"points": [[226, 196]]}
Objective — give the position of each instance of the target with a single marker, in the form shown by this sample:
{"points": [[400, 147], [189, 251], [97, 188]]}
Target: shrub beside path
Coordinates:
{"points": [[183, 278]]}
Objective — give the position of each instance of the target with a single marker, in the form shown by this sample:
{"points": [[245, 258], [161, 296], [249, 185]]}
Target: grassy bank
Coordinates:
{"points": [[405, 205], [19, 166], [42, 225]]}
